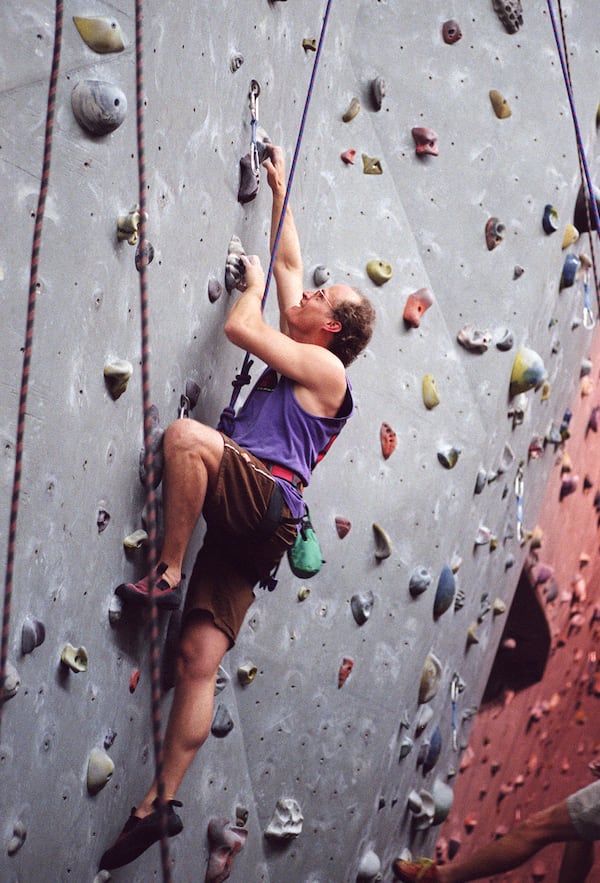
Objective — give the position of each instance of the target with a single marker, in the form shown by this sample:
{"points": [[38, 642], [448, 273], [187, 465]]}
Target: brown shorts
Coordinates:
{"points": [[234, 555]]}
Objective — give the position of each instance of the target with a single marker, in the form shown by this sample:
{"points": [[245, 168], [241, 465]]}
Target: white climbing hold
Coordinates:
{"points": [[287, 820]]}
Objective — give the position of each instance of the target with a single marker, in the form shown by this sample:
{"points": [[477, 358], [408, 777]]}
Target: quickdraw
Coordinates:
{"points": [[519, 488]]}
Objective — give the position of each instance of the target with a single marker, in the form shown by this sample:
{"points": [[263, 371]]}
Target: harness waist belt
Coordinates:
{"points": [[278, 471]]}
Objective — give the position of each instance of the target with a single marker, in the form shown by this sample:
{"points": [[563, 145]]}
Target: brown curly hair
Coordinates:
{"points": [[357, 320]]}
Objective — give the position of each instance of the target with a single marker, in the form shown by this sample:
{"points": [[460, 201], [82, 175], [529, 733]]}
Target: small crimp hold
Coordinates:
{"points": [[451, 32], [309, 44], [116, 376], [425, 141], [494, 233], [353, 110], [371, 165], [378, 90], [128, 225], [75, 658], [500, 105]]}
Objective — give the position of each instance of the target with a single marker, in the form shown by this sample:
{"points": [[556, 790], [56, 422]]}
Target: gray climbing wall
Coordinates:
{"points": [[296, 734]]}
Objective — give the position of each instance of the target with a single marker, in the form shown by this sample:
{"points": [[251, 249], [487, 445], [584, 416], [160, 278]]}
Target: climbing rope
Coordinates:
{"points": [[142, 266], [586, 181], [228, 414], [28, 347]]}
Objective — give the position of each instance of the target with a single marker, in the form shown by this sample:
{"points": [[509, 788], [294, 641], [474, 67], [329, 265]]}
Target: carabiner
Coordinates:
{"points": [[184, 407], [253, 96]]}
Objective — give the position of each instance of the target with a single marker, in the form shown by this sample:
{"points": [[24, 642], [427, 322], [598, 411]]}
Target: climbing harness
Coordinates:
{"points": [[519, 488], [28, 346], [142, 266], [588, 189], [228, 414]]}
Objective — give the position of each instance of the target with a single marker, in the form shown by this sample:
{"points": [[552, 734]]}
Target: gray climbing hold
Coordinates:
{"points": [[506, 340], [369, 868], [378, 90], [222, 722], [74, 658], [383, 544], [222, 681], [406, 746], [420, 580], [101, 34], [116, 375], [99, 771], [473, 339], [33, 633], [423, 717], [235, 62], [98, 107], [287, 819], [481, 480], [234, 267], [19, 835], [115, 610], [144, 254], [362, 605], [225, 841], [215, 290], [102, 520], [510, 13], [321, 275], [443, 797]]}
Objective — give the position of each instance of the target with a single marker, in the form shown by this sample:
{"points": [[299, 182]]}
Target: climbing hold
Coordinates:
{"points": [[222, 680], [417, 303], [518, 272], [116, 376], [369, 868], [506, 340], [406, 746], [309, 44], [481, 480], [498, 607], [568, 486], [33, 633], [99, 107], [474, 340], [345, 669], [99, 771], [433, 752], [19, 835], [583, 209], [431, 676], [361, 606], [443, 797], [528, 372], [342, 526], [483, 535], [550, 219], [451, 32], [115, 610], [348, 156], [429, 391], [472, 635], [235, 62], [352, 111], [102, 520], [494, 233], [222, 722], [100, 34], [75, 658], [569, 271], [444, 594], [383, 544], [287, 819], [321, 275], [303, 593], [378, 89], [518, 409], [249, 180], [379, 271], [371, 165], [144, 255], [419, 582], [585, 367], [448, 456], [570, 236], [500, 105], [246, 673], [225, 841], [136, 539], [510, 13], [425, 141], [134, 679], [388, 440], [234, 268], [10, 686], [423, 717], [128, 225]]}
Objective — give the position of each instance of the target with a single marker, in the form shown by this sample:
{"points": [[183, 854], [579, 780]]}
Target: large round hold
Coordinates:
{"points": [[99, 107]]}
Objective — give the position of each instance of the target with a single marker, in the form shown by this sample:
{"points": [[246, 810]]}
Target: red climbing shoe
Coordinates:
{"points": [[138, 835], [422, 871], [167, 597]]}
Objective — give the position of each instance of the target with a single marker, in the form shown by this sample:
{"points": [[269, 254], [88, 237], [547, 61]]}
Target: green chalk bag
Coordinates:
{"points": [[304, 556]]}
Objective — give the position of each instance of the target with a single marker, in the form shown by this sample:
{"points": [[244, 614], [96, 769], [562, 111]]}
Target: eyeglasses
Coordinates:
{"points": [[320, 295]]}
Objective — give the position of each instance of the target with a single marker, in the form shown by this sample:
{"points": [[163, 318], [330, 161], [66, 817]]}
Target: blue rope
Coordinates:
{"points": [[228, 415], [580, 147]]}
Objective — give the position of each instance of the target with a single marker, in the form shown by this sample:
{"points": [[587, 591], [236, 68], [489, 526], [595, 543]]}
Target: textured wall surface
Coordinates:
{"points": [[335, 751]]}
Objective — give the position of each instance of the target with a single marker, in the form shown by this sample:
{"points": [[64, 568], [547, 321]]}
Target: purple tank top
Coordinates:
{"points": [[275, 427]]}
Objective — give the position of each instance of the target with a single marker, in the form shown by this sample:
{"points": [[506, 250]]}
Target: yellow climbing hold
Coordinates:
{"points": [[571, 235], [100, 34]]}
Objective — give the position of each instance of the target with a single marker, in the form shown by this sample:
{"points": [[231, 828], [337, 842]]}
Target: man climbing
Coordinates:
{"points": [[248, 487], [574, 821]]}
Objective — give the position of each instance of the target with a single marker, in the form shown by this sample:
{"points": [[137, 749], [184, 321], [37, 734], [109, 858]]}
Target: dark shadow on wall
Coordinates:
{"points": [[525, 644]]}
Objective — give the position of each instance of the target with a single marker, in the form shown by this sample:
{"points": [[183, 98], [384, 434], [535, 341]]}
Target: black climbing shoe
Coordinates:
{"points": [[138, 835], [167, 597]]}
